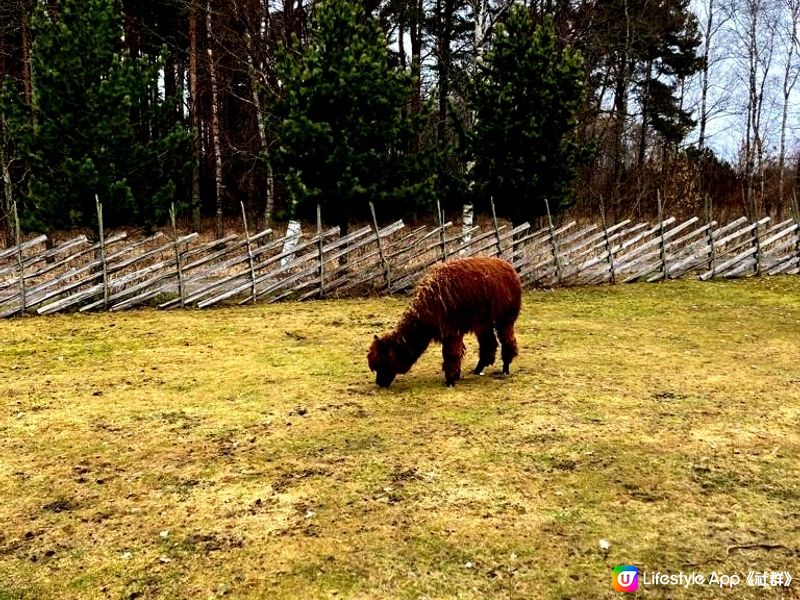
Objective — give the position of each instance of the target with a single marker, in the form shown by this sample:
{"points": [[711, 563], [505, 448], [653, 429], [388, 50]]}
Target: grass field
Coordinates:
{"points": [[247, 452]]}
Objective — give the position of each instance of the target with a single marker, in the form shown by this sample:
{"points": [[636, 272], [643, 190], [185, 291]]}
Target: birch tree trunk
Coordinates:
{"points": [[790, 75], [445, 10], [704, 84], [415, 35], [256, 84], [194, 115], [645, 108], [215, 131], [621, 101], [758, 33]]}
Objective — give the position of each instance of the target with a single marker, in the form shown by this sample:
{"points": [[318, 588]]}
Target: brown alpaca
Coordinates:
{"points": [[480, 295]]}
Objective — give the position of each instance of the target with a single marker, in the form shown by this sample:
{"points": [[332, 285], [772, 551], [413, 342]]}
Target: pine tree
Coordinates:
{"points": [[344, 139], [666, 46], [526, 97], [95, 126]]}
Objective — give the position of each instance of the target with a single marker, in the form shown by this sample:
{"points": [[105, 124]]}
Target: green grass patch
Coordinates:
{"points": [[247, 452]]}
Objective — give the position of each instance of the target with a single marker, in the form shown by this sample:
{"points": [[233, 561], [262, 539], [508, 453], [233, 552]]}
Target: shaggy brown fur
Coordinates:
{"points": [[480, 295]]}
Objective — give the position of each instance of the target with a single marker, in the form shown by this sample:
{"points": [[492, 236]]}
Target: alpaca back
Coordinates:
{"points": [[466, 295]]}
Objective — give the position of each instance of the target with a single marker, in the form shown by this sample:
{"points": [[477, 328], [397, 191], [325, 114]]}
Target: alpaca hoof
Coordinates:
{"points": [[506, 370], [450, 384], [477, 372]]}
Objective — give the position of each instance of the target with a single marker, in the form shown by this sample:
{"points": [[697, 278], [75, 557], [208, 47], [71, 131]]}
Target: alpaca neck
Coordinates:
{"points": [[410, 339]]}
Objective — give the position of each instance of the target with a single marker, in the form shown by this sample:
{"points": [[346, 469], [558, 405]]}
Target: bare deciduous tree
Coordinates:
{"points": [[788, 33], [713, 22], [753, 25], [194, 110]]}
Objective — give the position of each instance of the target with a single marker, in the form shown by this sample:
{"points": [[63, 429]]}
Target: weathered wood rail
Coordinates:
{"points": [[170, 271]]}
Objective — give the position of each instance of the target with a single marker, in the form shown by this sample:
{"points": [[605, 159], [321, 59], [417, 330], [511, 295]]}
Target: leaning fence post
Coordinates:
{"points": [[290, 241], [664, 268], [249, 254], [757, 244], [712, 250], [320, 244], [178, 267], [101, 230], [515, 247], [440, 215], [797, 222], [553, 242], [380, 246], [608, 245], [20, 263], [496, 228]]}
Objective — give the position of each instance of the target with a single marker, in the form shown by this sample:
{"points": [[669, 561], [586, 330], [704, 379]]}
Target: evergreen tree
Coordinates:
{"points": [[526, 97], [668, 47], [344, 138], [642, 52], [97, 125]]}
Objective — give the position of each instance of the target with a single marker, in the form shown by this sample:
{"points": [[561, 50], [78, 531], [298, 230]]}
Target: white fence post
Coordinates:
{"points": [[467, 217], [291, 240]]}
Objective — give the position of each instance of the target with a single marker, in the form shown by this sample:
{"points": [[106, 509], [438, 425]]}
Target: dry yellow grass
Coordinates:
{"points": [[247, 452]]}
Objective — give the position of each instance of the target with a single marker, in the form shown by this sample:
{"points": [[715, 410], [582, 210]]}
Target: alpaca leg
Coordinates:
{"points": [[452, 353], [487, 342], [509, 345]]}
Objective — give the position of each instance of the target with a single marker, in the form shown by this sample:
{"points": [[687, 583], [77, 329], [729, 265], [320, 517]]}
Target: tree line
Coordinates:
{"points": [[592, 105]]}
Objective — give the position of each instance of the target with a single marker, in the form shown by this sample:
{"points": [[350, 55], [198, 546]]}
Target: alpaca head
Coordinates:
{"points": [[382, 361]]}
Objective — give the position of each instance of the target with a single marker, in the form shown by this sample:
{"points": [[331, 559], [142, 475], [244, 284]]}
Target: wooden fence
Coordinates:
{"points": [[171, 271]]}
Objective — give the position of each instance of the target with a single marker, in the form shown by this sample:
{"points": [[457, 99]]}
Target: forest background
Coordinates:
{"points": [[597, 106]]}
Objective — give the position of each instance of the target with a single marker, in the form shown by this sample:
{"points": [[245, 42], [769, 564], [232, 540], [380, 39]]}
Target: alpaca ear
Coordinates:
{"points": [[376, 338]]}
